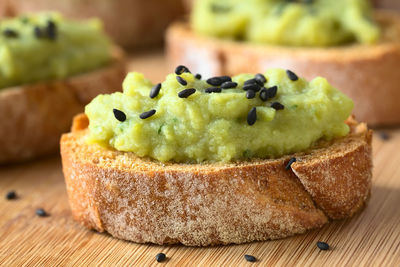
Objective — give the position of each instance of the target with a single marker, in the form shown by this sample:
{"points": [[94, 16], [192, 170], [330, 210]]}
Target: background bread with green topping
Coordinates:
{"points": [[32, 117], [366, 73], [130, 23], [143, 200]]}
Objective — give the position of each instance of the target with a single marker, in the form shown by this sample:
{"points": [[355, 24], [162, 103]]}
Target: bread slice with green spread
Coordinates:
{"points": [[226, 43], [49, 71], [181, 162], [131, 23], [143, 200]]}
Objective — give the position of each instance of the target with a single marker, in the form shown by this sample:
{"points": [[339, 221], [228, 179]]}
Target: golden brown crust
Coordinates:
{"points": [[367, 74], [339, 183], [33, 117], [142, 200], [129, 22]]}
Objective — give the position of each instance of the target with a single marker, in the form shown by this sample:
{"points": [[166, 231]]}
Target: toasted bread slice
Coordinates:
{"points": [[33, 117], [131, 23], [367, 74], [143, 200]]}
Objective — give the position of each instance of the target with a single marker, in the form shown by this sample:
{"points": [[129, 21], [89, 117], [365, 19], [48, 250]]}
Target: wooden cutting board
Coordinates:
{"points": [[371, 238]]}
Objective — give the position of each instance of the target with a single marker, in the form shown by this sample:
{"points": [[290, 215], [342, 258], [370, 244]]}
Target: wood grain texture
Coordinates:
{"points": [[371, 238]]}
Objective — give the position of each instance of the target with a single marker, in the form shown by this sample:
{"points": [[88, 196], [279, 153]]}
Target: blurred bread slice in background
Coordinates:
{"points": [[388, 4], [367, 74], [4, 8], [33, 116], [131, 23]]}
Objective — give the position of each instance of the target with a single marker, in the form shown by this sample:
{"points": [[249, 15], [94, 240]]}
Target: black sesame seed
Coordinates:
{"points": [[11, 195], [250, 258], [160, 257], [292, 76], [198, 76], [250, 94], [10, 33], [264, 94], [41, 213], [384, 136], [260, 78], [252, 116], [119, 115], [147, 114], [251, 81], [322, 245], [225, 79], [272, 91], [37, 32], [277, 106], [181, 69], [229, 85], [213, 90], [253, 87], [217, 81], [155, 90], [51, 30], [181, 80], [291, 161], [186, 93]]}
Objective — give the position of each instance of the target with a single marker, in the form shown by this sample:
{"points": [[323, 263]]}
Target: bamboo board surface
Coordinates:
{"points": [[371, 238]]}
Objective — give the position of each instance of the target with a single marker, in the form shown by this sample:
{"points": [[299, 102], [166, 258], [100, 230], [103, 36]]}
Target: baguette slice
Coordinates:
{"points": [[367, 74], [143, 200], [33, 117], [131, 23]]}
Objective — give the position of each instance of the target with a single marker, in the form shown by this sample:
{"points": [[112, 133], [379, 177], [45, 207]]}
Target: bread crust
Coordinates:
{"points": [[367, 74], [131, 23], [143, 200], [33, 117], [4, 8]]}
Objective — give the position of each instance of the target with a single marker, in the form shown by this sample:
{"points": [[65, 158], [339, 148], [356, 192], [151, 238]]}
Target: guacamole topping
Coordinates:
{"points": [[287, 22], [46, 47], [188, 119]]}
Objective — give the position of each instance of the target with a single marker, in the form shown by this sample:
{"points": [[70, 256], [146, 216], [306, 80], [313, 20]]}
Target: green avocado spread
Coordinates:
{"points": [[189, 119], [287, 22], [46, 47]]}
